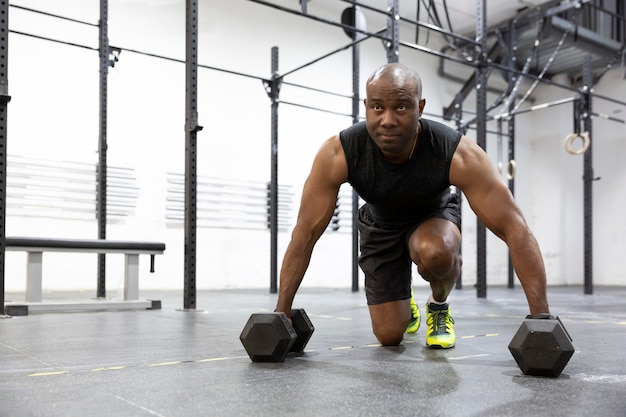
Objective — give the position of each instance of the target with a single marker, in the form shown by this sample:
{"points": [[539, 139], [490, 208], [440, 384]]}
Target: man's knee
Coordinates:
{"points": [[389, 337], [438, 257], [435, 247], [390, 320]]}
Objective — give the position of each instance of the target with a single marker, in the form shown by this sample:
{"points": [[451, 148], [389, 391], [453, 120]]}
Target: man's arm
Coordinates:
{"points": [[317, 205], [491, 200]]}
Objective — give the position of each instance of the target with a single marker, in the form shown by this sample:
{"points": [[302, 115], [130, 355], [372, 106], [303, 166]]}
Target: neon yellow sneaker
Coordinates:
{"points": [[440, 333], [414, 325]]}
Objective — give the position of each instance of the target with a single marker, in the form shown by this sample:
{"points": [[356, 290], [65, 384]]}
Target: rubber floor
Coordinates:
{"points": [[171, 362]]}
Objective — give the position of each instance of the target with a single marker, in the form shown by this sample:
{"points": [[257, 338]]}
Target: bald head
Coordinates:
{"points": [[400, 75], [393, 108]]}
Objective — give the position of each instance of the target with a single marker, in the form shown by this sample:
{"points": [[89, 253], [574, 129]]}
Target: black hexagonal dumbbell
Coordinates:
{"points": [[541, 346], [303, 327], [269, 337]]}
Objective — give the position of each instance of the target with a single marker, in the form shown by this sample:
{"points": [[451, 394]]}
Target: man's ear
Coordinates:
{"points": [[421, 105]]}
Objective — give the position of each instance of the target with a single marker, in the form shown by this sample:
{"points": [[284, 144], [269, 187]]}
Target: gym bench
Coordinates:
{"points": [[35, 247]]}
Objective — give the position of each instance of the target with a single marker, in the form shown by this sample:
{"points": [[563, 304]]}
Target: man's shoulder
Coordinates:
{"points": [[438, 128], [356, 129], [442, 138]]}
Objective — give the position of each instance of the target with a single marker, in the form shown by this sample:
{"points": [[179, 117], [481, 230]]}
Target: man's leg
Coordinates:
{"points": [[435, 249], [389, 321], [386, 264], [434, 246]]}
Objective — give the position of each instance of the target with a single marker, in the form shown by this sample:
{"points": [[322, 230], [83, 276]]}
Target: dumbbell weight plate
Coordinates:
{"points": [[303, 327], [268, 337], [541, 347]]}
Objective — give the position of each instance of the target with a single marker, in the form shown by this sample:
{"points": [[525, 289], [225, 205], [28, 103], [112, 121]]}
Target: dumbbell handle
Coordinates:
{"points": [[546, 316], [540, 316]]}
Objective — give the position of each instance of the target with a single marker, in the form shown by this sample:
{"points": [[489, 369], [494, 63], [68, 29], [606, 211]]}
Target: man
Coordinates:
{"points": [[403, 166]]}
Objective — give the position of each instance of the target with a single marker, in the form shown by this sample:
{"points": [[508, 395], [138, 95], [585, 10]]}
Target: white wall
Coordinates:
{"points": [[54, 114]]}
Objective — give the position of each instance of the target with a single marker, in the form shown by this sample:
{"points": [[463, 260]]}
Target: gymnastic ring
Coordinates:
{"points": [[511, 169], [569, 141]]}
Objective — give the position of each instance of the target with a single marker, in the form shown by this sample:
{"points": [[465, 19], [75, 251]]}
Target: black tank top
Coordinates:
{"points": [[399, 195]]}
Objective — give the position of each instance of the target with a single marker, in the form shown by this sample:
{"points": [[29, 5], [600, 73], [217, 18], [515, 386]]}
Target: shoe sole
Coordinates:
{"points": [[440, 346]]}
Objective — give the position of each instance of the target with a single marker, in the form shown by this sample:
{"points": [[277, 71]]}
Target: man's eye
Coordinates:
{"points": [[376, 107], [402, 107]]}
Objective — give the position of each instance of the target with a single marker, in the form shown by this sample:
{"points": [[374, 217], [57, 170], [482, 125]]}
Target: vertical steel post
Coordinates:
{"points": [[101, 208], [588, 177], [481, 139], [511, 132], [191, 147], [4, 103], [512, 77], [274, 89], [393, 31], [356, 102], [458, 116]]}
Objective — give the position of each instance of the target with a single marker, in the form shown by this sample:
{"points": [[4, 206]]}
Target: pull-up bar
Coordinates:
{"points": [[17, 32], [532, 108]]}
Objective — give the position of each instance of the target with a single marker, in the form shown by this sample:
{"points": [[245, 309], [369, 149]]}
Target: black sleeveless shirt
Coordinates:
{"points": [[400, 195]]}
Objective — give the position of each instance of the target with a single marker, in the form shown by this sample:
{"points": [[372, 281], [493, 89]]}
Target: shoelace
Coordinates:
{"points": [[438, 318]]}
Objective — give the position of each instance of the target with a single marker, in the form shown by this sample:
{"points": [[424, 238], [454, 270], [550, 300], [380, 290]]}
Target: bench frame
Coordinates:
{"points": [[35, 247]]}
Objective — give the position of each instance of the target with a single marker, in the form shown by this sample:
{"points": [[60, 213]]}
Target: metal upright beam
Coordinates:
{"points": [[4, 103], [191, 129], [588, 177], [512, 77], [393, 31], [273, 90], [101, 209], [511, 133], [481, 138], [458, 106], [356, 103]]}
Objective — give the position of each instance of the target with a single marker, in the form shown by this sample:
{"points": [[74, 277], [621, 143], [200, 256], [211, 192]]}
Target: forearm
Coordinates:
{"points": [[530, 269], [294, 266]]}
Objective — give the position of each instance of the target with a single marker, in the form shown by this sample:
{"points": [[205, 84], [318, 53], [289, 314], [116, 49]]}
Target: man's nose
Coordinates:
{"points": [[388, 118]]}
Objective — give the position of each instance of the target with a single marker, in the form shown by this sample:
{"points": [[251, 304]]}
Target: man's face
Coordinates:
{"points": [[392, 113]]}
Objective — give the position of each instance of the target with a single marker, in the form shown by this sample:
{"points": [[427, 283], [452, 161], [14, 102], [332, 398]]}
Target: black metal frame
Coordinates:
{"points": [[481, 137], [356, 104], [273, 87], [191, 129], [4, 104], [480, 62], [101, 209], [588, 178]]}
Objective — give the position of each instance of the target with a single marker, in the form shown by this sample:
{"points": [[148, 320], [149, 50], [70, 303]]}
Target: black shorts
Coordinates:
{"points": [[385, 258]]}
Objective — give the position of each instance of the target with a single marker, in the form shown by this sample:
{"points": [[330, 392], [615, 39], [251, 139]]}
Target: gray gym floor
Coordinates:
{"points": [[173, 363]]}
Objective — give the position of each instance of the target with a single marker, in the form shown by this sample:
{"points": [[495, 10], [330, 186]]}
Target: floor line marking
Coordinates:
{"points": [[48, 373], [110, 368], [612, 379], [458, 358], [166, 363], [224, 358], [141, 407], [480, 335]]}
